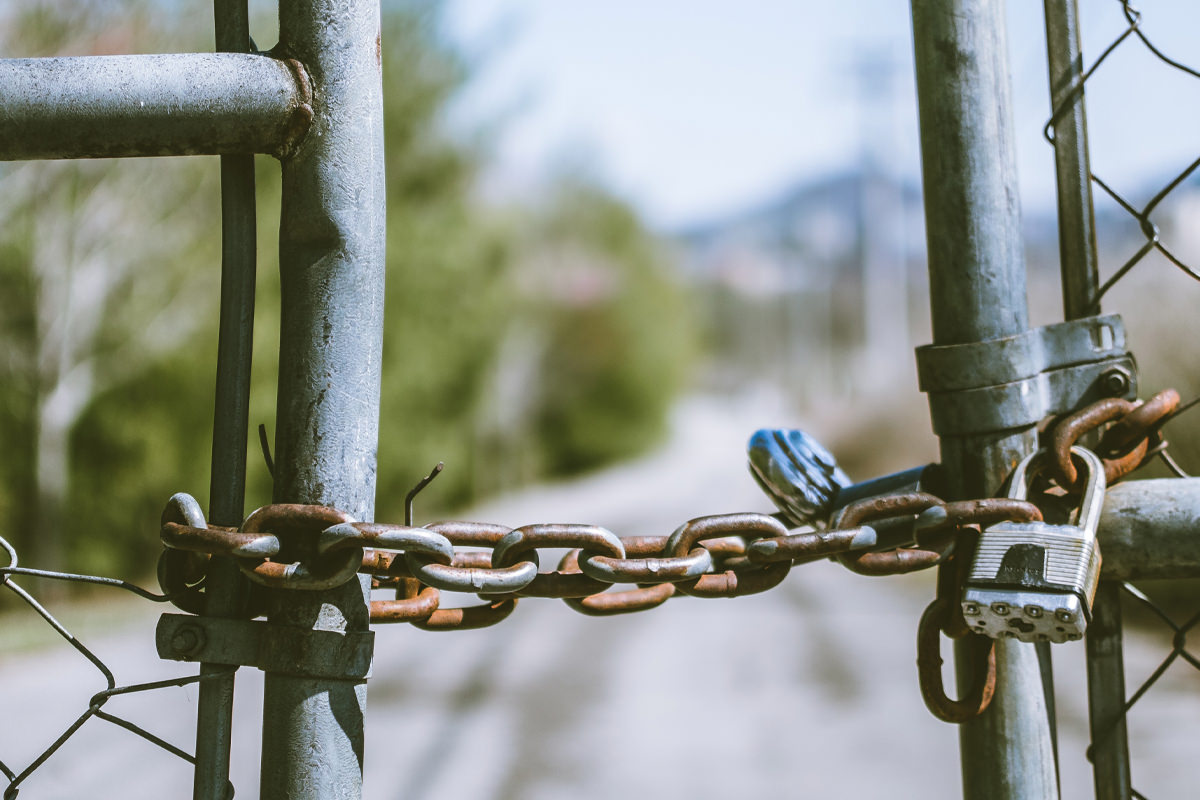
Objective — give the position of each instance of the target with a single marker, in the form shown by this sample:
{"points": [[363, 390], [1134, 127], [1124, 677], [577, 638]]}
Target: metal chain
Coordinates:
{"points": [[725, 555], [1126, 445]]}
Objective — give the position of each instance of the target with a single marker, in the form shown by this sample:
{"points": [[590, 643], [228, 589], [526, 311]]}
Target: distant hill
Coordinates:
{"points": [[838, 221]]}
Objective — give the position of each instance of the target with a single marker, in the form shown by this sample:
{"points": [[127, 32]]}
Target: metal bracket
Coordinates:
{"points": [[1017, 381], [272, 648]]}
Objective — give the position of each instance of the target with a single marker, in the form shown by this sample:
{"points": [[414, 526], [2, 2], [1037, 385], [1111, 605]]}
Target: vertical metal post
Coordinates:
{"points": [[1076, 219], [1106, 696], [977, 292], [331, 252], [226, 590], [1080, 280]]}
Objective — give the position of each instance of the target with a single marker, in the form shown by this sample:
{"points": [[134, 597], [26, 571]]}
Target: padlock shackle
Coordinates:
{"points": [[1093, 492]]}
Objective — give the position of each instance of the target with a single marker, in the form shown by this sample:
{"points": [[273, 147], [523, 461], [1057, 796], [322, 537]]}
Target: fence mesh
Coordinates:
{"points": [[1133, 36], [1178, 651], [17, 775]]}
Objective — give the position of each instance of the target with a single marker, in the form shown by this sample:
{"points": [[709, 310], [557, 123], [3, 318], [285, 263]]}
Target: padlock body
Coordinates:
{"points": [[1032, 581]]}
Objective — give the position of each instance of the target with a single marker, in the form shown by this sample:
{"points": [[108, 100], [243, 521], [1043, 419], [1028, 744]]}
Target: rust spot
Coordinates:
{"points": [[302, 81], [379, 50], [301, 117], [297, 126]]}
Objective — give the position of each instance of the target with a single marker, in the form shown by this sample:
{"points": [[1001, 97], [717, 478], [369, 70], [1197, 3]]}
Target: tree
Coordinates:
{"points": [[106, 264], [109, 337]]}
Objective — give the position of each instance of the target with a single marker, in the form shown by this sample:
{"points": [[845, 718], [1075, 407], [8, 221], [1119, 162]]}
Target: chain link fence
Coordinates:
{"points": [[1111, 714], [17, 774]]}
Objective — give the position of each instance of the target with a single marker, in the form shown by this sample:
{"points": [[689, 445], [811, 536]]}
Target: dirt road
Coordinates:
{"points": [[807, 691]]}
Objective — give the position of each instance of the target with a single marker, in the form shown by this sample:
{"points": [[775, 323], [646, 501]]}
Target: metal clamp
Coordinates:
{"points": [[340, 655], [1019, 380]]}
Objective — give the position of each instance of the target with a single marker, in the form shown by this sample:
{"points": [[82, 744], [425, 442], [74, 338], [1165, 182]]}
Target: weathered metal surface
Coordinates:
{"points": [[482, 580], [298, 528], [1018, 380], [1125, 449], [332, 266], [1106, 695], [226, 591], [1149, 529], [468, 571], [653, 568], [380, 536], [1026, 402], [925, 478], [749, 579], [929, 668], [892, 562], [181, 573], [983, 511], [218, 540], [151, 105], [969, 365], [472, 617], [1076, 219], [413, 602], [589, 538], [608, 603], [977, 293], [1141, 422], [342, 655], [1081, 296], [812, 545]]}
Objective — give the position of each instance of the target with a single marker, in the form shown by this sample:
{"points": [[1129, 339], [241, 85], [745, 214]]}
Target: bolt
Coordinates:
{"points": [[1033, 611], [187, 640], [1001, 609], [971, 609], [1117, 381]]}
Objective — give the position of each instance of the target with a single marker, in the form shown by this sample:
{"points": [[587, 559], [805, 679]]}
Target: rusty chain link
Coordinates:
{"points": [[725, 555], [1124, 447], [929, 667]]}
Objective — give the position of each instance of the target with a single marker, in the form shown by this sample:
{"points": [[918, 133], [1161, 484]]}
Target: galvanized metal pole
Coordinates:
{"points": [[1080, 281], [1106, 696], [1076, 218], [977, 291], [331, 249], [225, 590]]}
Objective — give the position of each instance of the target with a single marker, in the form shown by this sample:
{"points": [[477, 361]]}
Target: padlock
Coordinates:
{"points": [[1034, 581], [808, 487], [796, 472]]}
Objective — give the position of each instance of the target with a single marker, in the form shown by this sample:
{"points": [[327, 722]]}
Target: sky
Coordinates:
{"points": [[696, 110]]}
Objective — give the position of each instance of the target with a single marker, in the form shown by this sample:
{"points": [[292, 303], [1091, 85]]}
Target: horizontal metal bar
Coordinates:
{"points": [[151, 105], [1151, 529]]}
